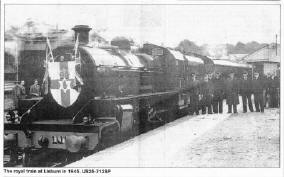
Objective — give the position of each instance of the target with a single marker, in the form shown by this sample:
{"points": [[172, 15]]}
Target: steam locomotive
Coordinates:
{"points": [[100, 95]]}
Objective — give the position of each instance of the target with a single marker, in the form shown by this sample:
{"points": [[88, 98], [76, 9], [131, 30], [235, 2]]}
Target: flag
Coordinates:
{"points": [[48, 58]]}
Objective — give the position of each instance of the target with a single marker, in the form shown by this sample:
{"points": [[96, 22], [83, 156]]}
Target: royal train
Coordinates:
{"points": [[96, 96]]}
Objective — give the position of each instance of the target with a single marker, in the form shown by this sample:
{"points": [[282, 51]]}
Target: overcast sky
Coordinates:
{"points": [[167, 24]]}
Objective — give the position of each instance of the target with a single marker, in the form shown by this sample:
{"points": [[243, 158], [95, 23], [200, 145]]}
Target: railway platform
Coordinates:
{"points": [[215, 140], [155, 148]]}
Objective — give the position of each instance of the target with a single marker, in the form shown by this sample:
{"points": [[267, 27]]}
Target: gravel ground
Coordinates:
{"points": [[241, 140]]}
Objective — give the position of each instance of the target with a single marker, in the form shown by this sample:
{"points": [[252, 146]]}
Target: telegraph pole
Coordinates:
{"points": [[276, 43]]}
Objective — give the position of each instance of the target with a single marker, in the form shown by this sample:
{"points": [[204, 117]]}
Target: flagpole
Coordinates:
{"points": [[47, 59], [77, 59]]}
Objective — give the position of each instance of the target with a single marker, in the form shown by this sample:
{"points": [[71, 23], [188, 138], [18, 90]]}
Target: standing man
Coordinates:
{"points": [[206, 95], [245, 91], [273, 90], [266, 95], [194, 95], [232, 93], [19, 93], [210, 80], [218, 93], [35, 89], [258, 90]]}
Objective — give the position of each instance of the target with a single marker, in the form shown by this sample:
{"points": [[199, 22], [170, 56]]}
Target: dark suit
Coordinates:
{"points": [[218, 95], [273, 88], [19, 93], [257, 87], [206, 91], [35, 90], [245, 91], [232, 98], [194, 97]]}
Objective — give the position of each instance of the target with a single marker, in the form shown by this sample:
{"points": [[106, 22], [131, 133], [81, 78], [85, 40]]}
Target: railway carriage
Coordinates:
{"points": [[226, 66]]}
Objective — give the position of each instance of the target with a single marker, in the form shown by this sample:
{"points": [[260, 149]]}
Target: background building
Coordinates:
{"points": [[266, 59]]}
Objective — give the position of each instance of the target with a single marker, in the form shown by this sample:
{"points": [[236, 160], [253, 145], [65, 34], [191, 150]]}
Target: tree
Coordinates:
{"points": [[11, 32], [240, 48], [187, 46], [122, 42]]}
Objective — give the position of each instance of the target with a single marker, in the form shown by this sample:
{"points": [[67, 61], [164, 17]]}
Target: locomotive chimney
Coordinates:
{"points": [[83, 31]]}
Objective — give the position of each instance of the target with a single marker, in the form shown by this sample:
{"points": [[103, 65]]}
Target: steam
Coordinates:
{"points": [[218, 51]]}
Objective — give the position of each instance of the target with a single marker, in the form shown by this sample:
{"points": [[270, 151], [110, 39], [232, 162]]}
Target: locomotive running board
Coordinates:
{"points": [[54, 125]]}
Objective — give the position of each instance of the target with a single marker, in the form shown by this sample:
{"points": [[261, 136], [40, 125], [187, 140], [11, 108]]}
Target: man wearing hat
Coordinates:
{"points": [[245, 91], [206, 92], [194, 95], [258, 89], [273, 90], [218, 93], [232, 93], [19, 93], [35, 89]]}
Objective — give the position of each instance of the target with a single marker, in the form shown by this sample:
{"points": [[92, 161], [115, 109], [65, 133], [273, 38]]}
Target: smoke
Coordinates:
{"points": [[31, 28], [218, 51]]}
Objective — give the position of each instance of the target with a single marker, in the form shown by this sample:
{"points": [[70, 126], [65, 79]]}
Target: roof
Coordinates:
{"points": [[145, 56], [191, 59], [268, 53], [131, 59], [230, 63], [194, 60], [237, 57], [176, 54]]}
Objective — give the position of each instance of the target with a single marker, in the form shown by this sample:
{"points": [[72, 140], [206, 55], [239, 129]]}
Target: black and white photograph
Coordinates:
{"points": [[93, 88]]}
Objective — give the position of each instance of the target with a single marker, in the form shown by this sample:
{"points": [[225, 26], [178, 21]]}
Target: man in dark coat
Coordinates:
{"points": [[35, 89], [206, 92], [210, 80], [274, 85], [194, 95], [267, 81], [245, 91], [258, 87], [232, 98], [218, 94], [19, 93]]}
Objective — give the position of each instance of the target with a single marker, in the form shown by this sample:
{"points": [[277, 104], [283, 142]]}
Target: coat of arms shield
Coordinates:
{"points": [[62, 81]]}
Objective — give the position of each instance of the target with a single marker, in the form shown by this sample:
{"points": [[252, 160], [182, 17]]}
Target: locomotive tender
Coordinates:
{"points": [[96, 96]]}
